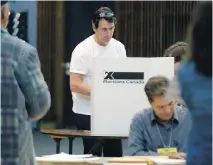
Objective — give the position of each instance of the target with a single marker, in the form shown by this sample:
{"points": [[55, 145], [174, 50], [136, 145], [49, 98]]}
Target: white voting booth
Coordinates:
{"points": [[118, 90]]}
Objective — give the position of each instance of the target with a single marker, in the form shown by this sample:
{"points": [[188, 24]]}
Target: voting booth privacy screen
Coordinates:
{"points": [[118, 90]]}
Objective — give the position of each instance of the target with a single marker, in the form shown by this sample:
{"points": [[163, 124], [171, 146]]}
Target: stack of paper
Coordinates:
{"points": [[63, 157], [131, 160], [125, 164], [159, 161]]}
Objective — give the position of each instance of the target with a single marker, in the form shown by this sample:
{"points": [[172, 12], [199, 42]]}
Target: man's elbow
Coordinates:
{"points": [[136, 149], [134, 152], [133, 149]]}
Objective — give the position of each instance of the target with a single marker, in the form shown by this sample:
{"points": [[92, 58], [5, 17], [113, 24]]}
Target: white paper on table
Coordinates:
{"points": [[62, 154], [125, 163], [159, 161], [63, 157]]}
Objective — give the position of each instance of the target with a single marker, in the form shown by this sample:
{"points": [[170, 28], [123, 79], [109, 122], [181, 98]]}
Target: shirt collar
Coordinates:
{"points": [[174, 118]]}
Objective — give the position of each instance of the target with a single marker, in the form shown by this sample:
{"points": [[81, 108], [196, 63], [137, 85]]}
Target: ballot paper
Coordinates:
{"points": [[125, 164], [159, 161], [63, 157]]}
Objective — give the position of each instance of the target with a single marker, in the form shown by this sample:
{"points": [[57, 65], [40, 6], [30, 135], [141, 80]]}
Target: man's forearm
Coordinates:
{"points": [[81, 88]]}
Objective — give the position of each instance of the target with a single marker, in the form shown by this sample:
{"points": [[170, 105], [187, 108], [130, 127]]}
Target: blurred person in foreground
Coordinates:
{"points": [[178, 51], [195, 81], [24, 96]]}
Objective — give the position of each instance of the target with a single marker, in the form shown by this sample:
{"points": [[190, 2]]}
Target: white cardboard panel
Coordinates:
{"points": [[114, 104]]}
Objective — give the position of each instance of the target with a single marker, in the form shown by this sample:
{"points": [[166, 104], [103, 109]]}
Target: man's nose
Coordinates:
{"points": [[109, 32], [167, 110]]}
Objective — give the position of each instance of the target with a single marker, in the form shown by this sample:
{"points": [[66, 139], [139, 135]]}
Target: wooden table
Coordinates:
{"points": [[68, 163], [103, 160], [59, 134]]}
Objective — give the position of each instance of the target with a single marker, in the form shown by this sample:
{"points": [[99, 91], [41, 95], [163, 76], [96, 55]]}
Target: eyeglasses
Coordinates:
{"points": [[106, 15]]}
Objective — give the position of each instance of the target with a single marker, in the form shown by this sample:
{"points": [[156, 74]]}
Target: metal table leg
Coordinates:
{"points": [[57, 140], [71, 144]]}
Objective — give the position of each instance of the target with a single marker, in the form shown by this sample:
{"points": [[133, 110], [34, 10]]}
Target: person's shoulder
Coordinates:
{"points": [[84, 45], [186, 68], [143, 114], [117, 43], [189, 65], [20, 46], [182, 111], [141, 118]]}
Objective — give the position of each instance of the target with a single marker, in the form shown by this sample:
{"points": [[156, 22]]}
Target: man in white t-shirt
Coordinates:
{"points": [[99, 45]]}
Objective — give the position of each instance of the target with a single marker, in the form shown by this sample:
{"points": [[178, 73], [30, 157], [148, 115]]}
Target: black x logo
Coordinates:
{"points": [[109, 76]]}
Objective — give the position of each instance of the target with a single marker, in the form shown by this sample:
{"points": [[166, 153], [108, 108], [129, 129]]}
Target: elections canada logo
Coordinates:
{"points": [[123, 77]]}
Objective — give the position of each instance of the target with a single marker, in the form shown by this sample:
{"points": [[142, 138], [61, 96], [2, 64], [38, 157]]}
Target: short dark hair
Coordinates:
{"points": [[103, 13], [200, 38], [176, 50], [156, 86]]}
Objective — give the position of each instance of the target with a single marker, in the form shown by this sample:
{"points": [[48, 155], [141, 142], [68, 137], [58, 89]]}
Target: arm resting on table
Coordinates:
{"points": [[137, 143]]}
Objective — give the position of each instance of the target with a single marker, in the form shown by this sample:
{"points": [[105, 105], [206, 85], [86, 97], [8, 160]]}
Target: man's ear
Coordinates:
{"points": [[93, 27]]}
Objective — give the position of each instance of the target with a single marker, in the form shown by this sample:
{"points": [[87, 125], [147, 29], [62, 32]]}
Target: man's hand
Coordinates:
{"points": [[179, 155]]}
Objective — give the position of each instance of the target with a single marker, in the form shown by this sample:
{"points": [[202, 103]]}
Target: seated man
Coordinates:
{"points": [[163, 125]]}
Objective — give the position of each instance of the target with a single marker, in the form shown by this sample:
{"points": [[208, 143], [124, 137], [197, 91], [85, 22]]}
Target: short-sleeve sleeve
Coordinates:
{"points": [[79, 61], [123, 51]]}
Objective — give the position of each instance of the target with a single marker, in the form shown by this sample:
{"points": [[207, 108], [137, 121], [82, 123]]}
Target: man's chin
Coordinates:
{"points": [[107, 40], [166, 118], [105, 43]]}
